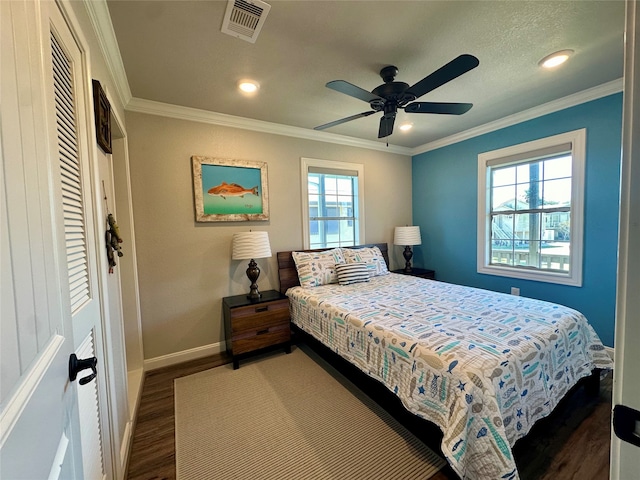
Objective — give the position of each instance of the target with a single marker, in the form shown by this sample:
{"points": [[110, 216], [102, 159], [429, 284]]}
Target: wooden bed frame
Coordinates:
{"points": [[288, 274]]}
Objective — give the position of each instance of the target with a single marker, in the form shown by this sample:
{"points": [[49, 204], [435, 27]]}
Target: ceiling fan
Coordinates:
{"points": [[392, 95]]}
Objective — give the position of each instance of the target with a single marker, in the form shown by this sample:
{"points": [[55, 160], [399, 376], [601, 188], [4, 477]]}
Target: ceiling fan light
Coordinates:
{"points": [[555, 59], [405, 127], [248, 86]]}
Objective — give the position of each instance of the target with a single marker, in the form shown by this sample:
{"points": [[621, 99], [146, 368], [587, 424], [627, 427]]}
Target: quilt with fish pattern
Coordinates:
{"points": [[483, 366]]}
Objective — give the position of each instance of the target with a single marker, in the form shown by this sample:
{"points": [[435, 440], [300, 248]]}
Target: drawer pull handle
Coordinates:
{"points": [[262, 309], [262, 332]]}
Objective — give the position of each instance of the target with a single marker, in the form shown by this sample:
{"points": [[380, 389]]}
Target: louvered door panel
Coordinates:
{"points": [[89, 420], [68, 155]]}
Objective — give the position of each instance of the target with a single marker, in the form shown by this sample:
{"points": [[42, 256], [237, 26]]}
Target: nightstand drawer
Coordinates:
{"points": [[260, 338], [252, 324], [256, 317]]}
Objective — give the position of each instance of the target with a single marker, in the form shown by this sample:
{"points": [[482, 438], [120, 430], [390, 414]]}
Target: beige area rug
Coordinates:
{"points": [[287, 417]]}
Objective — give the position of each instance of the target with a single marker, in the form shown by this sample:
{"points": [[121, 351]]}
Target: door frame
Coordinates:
{"points": [[625, 461]]}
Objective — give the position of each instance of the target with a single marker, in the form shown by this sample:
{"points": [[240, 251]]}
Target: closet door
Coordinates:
{"points": [[69, 114], [39, 429], [50, 426]]}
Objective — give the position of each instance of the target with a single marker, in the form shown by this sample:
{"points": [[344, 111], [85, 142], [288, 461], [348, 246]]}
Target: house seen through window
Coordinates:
{"points": [[530, 210], [333, 203]]}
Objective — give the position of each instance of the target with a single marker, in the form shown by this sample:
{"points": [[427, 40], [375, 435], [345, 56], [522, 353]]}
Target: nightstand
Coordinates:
{"points": [[251, 325], [418, 272]]}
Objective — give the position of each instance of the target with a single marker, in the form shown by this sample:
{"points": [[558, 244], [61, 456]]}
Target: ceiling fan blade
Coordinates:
{"points": [[444, 74], [344, 120], [386, 126], [352, 90], [438, 107]]}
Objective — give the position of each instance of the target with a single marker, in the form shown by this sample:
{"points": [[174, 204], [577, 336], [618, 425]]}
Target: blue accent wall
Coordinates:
{"points": [[445, 197]]}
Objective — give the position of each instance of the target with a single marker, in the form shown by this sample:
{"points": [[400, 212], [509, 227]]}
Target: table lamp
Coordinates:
{"points": [[249, 246], [407, 236]]}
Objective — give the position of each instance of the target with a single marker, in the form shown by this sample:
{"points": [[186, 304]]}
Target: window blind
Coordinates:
{"points": [[333, 171]]}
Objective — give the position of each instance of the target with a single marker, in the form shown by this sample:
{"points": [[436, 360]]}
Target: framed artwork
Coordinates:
{"points": [[102, 113], [229, 190]]}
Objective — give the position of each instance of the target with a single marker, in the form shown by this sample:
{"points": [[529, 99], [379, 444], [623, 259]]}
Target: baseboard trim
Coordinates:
{"points": [[183, 356], [135, 382], [125, 448]]}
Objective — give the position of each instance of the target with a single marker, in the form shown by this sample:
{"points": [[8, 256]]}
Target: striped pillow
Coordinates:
{"points": [[349, 273], [371, 256]]}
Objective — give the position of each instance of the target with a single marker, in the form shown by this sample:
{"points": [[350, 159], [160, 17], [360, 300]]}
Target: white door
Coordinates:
{"points": [[50, 427], [625, 455], [68, 113]]}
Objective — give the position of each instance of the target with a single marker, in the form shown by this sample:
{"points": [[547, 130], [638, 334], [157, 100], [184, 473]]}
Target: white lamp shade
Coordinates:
{"points": [[249, 245], [407, 236]]}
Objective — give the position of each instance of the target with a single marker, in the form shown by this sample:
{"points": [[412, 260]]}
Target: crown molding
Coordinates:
{"points": [[98, 12], [204, 116], [609, 88]]}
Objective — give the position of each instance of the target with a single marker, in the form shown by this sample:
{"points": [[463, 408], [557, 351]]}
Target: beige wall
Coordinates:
{"points": [[184, 267]]}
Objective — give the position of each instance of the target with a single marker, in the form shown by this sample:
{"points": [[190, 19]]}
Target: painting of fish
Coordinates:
{"points": [[229, 190], [225, 190]]}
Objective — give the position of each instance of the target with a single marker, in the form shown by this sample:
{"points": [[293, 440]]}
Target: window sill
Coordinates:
{"points": [[534, 275]]}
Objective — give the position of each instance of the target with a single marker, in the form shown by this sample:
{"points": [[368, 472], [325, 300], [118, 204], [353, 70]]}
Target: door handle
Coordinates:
{"points": [[77, 365], [626, 424]]}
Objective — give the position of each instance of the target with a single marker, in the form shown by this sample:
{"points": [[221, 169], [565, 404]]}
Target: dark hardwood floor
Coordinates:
{"points": [[153, 448], [572, 443]]}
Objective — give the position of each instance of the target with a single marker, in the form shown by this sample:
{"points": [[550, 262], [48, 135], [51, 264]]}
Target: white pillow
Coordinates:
{"points": [[349, 273], [372, 256], [317, 268]]}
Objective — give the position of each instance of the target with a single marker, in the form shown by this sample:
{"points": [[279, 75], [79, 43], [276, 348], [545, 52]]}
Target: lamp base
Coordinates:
{"points": [[253, 272], [407, 254]]}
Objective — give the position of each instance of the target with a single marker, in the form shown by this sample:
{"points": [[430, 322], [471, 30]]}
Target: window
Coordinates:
{"points": [[530, 210], [332, 203]]}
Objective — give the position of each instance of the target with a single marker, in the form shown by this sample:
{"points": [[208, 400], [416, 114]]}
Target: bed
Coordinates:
{"points": [[483, 366]]}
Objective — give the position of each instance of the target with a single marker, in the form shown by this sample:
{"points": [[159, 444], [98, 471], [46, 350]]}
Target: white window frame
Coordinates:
{"points": [[518, 154], [332, 165]]}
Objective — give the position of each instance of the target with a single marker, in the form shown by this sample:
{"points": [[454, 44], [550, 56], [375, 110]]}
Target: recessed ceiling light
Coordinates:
{"points": [[555, 59], [406, 127], [248, 86]]}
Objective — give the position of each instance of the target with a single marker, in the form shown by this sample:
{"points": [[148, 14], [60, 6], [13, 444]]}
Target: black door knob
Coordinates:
{"points": [[76, 365]]}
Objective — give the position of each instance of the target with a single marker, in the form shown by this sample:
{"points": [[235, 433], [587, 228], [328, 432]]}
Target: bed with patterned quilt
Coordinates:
{"points": [[483, 366]]}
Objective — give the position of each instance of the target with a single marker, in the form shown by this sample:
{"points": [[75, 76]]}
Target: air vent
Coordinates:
{"points": [[244, 19]]}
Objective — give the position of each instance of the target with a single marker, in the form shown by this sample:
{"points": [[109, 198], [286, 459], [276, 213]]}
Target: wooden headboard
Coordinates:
{"points": [[288, 274]]}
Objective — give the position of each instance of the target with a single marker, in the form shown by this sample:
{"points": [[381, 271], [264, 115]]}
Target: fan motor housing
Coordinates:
{"points": [[393, 91], [390, 90]]}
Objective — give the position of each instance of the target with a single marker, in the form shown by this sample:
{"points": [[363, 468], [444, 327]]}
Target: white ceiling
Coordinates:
{"points": [[174, 52]]}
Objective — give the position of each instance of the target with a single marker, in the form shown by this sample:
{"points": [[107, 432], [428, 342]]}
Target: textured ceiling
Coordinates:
{"points": [[174, 52]]}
